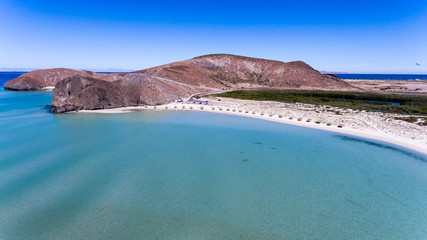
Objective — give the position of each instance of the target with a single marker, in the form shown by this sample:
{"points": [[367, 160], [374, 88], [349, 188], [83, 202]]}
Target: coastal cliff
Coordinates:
{"points": [[75, 90], [83, 92]]}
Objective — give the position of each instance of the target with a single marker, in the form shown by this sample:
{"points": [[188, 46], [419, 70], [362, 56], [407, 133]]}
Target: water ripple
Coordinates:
{"points": [[380, 145]]}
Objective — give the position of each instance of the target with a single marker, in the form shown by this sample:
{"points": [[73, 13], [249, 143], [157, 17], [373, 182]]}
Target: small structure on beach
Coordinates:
{"points": [[199, 102]]}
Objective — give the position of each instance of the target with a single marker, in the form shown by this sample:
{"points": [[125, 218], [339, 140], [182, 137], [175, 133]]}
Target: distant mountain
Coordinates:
{"points": [[76, 90]]}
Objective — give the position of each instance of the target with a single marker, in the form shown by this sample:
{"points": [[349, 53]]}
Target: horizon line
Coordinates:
{"points": [[119, 70]]}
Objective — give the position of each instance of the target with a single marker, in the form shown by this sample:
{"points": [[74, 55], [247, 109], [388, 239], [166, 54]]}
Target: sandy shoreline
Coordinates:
{"points": [[378, 126]]}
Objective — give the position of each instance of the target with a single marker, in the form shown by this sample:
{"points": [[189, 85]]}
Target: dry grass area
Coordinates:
{"points": [[391, 86]]}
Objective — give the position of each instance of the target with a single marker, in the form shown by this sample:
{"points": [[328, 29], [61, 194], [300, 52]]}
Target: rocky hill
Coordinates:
{"points": [[37, 80], [76, 90]]}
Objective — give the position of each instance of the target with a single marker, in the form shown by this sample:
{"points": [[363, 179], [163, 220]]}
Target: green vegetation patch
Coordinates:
{"points": [[409, 104], [422, 121]]}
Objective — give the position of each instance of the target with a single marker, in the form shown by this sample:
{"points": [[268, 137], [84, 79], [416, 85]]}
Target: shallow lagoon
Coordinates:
{"points": [[191, 175]]}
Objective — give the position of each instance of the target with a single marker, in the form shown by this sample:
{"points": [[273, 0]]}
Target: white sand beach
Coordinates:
{"points": [[373, 125], [48, 88]]}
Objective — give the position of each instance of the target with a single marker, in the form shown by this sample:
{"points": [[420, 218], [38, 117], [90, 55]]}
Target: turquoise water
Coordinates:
{"points": [[192, 175]]}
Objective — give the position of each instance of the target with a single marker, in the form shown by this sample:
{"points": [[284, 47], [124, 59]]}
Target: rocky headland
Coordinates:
{"points": [[77, 90]]}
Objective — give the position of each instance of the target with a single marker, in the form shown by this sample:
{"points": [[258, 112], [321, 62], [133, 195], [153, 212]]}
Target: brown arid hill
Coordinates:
{"points": [[75, 90], [36, 80]]}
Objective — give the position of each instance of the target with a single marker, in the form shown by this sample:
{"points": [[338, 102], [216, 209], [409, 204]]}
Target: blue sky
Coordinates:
{"points": [[351, 36]]}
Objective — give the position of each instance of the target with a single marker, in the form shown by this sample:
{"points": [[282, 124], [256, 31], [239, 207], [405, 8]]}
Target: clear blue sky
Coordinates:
{"points": [[353, 36]]}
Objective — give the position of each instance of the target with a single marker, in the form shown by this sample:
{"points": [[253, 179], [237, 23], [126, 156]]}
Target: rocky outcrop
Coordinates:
{"points": [[37, 80], [76, 90], [83, 92]]}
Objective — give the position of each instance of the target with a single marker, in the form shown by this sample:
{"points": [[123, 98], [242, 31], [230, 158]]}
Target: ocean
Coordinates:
{"points": [[196, 175], [383, 76]]}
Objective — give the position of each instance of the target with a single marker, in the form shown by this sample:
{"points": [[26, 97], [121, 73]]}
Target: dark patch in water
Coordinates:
{"points": [[47, 108], [241, 152], [258, 142], [324, 216], [355, 204], [245, 160], [358, 140], [273, 148], [372, 101]]}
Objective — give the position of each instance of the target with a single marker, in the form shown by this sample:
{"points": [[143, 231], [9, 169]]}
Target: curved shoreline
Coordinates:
{"points": [[400, 141]]}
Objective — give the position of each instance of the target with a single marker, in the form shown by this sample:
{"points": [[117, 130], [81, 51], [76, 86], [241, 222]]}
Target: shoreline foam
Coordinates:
{"points": [[364, 131]]}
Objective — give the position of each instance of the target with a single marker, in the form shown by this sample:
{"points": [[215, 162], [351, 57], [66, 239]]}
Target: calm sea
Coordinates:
{"points": [[195, 175], [383, 76]]}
